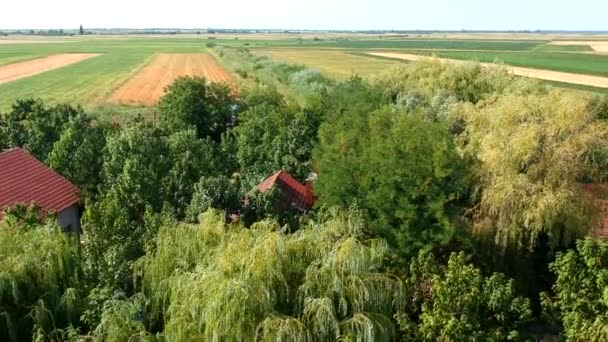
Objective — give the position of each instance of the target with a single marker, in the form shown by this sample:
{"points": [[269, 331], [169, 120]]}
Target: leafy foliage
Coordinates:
{"points": [[409, 165], [272, 136], [531, 152], [214, 192], [403, 170], [34, 127], [192, 102], [78, 154], [459, 303], [580, 292], [40, 280], [323, 282]]}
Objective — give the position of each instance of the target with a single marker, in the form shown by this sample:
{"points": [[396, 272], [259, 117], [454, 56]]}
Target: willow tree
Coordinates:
{"points": [[41, 287], [322, 283], [531, 153]]}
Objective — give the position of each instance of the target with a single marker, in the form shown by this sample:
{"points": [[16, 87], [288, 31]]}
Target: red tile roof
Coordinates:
{"points": [[294, 193], [25, 180]]}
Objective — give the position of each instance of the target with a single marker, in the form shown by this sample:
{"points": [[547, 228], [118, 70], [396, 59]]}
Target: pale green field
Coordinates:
{"points": [[333, 63]]}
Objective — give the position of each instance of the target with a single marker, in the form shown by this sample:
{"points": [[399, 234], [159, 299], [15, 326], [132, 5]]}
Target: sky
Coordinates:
{"points": [[308, 14]]}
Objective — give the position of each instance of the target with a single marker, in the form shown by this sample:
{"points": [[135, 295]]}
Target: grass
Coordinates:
{"points": [[563, 48], [337, 64], [8, 58]]}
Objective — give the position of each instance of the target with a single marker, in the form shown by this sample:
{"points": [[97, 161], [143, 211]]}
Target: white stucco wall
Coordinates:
{"points": [[69, 219]]}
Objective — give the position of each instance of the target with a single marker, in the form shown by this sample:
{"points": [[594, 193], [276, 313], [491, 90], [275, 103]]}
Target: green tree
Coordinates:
{"points": [[457, 302], [81, 30], [192, 102], [214, 193], [273, 138], [579, 300], [78, 154], [402, 170], [135, 166], [33, 126], [191, 158], [136, 162]]}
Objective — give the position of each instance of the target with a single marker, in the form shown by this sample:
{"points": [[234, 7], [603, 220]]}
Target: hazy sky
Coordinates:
{"points": [[308, 14]]}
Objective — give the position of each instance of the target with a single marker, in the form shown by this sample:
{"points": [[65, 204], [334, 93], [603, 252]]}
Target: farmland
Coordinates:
{"points": [[121, 62], [28, 68], [147, 86], [548, 75], [337, 64]]}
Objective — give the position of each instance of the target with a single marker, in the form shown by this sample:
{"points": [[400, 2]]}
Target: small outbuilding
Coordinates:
{"points": [[25, 180]]}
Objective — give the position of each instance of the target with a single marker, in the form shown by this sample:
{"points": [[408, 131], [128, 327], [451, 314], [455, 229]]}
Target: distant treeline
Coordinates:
{"points": [[174, 31]]}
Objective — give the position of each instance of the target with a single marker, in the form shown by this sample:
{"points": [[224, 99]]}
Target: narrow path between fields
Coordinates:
{"points": [[547, 75], [14, 71]]}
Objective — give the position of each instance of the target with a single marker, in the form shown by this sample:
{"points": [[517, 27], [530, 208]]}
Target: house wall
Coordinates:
{"points": [[69, 219]]}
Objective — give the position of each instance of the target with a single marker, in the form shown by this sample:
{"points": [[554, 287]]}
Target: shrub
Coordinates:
{"points": [[580, 294]]}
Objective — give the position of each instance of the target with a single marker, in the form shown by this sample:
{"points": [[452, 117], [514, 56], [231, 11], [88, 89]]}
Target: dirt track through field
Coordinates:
{"points": [[148, 85], [15, 71], [547, 75]]}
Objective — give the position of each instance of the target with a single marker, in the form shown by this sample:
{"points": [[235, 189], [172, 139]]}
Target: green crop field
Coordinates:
{"points": [[563, 48], [12, 57], [579, 63], [432, 44], [89, 83]]}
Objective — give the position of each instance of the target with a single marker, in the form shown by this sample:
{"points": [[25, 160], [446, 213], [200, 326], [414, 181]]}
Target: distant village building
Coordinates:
{"points": [[293, 193], [25, 180]]}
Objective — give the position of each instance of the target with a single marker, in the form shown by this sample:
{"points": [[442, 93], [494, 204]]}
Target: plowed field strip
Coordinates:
{"points": [[15, 71], [148, 86]]}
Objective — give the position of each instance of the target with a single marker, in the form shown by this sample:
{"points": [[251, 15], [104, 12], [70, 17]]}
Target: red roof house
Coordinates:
{"points": [[294, 193], [25, 180]]}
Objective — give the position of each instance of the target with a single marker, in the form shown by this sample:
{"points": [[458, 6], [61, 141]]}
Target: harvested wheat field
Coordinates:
{"points": [[547, 75], [148, 85], [15, 71], [598, 46]]}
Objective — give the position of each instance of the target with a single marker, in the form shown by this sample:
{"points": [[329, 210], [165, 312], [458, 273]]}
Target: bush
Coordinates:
{"points": [[458, 303], [580, 294]]}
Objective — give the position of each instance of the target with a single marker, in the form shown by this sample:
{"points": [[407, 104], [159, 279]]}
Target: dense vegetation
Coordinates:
{"points": [[449, 207]]}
